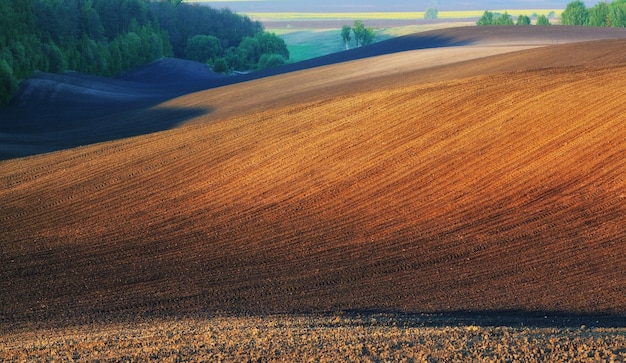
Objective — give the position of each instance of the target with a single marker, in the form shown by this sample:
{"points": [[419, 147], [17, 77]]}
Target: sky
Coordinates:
{"points": [[384, 5]]}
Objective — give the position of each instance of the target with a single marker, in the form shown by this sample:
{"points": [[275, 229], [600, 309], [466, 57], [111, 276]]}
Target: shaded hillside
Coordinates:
{"points": [[53, 112], [495, 192]]}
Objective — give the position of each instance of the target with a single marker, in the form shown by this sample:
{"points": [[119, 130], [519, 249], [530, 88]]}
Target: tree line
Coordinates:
{"points": [[491, 18], [603, 14], [109, 37]]}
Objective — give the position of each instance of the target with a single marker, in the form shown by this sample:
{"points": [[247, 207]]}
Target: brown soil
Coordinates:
{"points": [[494, 184]]}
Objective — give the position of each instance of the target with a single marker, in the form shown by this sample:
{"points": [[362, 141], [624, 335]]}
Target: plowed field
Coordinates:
{"points": [[497, 184]]}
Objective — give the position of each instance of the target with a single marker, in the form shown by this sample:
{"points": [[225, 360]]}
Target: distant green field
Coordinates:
{"points": [[311, 43]]}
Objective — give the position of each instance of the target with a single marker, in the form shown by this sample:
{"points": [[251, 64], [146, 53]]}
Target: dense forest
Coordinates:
{"points": [[109, 37]]}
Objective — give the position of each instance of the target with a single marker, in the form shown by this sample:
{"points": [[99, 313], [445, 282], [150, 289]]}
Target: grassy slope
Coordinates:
{"points": [[311, 43]]}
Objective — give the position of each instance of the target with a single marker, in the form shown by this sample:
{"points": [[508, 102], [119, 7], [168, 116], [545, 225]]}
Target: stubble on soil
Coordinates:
{"points": [[331, 338]]}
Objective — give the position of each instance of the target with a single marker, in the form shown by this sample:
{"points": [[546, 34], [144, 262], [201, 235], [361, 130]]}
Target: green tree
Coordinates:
{"points": [[369, 36], [345, 35], [431, 13], [271, 61], [8, 83], [599, 15], [575, 13], [504, 19], [358, 28], [617, 14], [543, 20], [270, 43], [486, 19], [203, 48], [55, 58], [523, 20], [362, 35]]}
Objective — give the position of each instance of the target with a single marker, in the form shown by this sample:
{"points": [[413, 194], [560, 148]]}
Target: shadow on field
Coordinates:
{"points": [[509, 318], [41, 135]]}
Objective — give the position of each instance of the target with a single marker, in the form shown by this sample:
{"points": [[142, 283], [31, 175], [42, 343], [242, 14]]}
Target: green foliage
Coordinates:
{"points": [[486, 19], [272, 44], [271, 61], [489, 18], [362, 35], [251, 50], [345, 35], [575, 14], [617, 14], [184, 21], [523, 20], [599, 15], [603, 14], [54, 57], [220, 65], [8, 83], [431, 13], [108, 37], [203, 48], [504, 19], [543, 20]]}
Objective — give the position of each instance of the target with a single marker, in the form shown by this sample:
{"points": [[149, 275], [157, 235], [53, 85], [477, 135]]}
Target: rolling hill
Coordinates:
{"points": [[472, 181], [55, 112]]}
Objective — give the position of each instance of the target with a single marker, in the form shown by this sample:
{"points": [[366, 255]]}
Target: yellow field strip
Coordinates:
{"points": [[392, 15]]}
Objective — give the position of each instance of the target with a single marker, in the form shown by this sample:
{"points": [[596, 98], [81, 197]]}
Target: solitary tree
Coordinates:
{"points": [[345, 35], [431, 13]]}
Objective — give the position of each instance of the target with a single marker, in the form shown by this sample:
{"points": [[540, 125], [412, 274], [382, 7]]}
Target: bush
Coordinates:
{"points": [[220, 65], [271, 61]]}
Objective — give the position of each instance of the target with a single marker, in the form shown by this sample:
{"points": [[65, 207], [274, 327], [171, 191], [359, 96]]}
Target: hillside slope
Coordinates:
{"points": [[492, 192], [55, 112]]}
